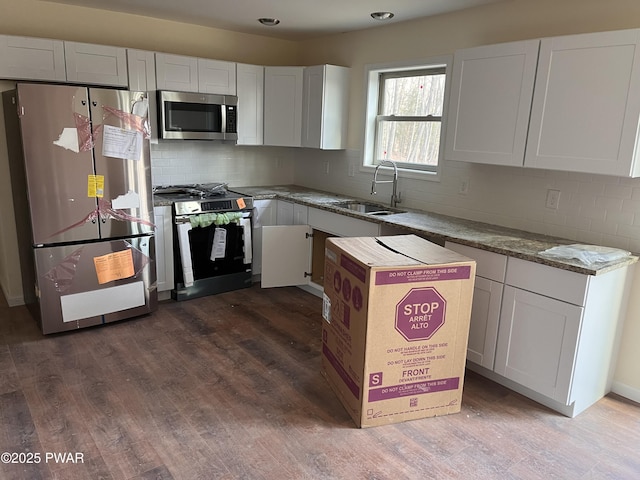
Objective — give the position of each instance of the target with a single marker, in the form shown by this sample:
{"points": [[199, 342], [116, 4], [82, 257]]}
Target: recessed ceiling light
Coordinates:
{"points": [[382, 15], [269, 22]]}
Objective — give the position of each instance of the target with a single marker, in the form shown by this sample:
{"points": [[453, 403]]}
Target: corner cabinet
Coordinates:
{"points": [[325, 107], [24, 58], [581, 104], [556, 335], [96, 64], [293, 255], [283, 106]]}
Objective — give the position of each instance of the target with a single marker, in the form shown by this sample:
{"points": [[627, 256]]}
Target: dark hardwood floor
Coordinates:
{"points": [[229, 387]]}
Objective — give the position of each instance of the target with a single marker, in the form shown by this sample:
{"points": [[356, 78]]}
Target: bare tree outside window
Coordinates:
{"points": [[409, 117]]}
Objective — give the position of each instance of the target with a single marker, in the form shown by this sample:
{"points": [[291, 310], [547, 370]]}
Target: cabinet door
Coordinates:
{"points": [[250, 88], [215, 76], [286, 255], [586, 104], [283, 106], [26, 58], [142, 78], [285, 213], [264, 214], [485, 317], [142, 70], [325, 107], [176, 72], [96, 64], [164, 248], [490, 102], [537, 342], [300, 214]]}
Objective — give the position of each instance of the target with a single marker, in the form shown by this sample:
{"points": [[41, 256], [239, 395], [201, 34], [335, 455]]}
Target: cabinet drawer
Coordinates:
{"points": [[552, 282], [342, 225], [488, 264]]}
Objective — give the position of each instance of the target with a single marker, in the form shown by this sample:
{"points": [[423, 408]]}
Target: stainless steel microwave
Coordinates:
{"points": [[197, 116]]}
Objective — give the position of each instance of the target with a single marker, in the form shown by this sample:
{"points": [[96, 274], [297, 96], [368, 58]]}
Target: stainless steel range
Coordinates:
{"points": [[212, 239]]}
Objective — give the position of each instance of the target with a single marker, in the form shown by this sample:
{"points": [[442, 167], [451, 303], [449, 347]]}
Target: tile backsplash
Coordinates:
{"points": [[187, 162], [593, 209]]}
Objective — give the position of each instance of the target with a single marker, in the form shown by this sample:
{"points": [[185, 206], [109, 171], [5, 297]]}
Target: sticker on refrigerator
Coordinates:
{"points": [[68, 139], [129, 200], [114, 266], [95, 186], [120, 143]]}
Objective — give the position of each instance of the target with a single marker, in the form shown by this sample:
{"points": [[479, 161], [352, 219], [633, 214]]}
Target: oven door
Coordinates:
{"points": [[212, 259]]}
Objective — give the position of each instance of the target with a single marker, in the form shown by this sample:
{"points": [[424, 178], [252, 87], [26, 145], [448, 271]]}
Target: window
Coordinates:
{"points": [[404, 115]]}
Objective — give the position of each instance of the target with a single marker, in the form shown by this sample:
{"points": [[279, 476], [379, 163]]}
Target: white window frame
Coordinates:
{"points": [[372, 83]]}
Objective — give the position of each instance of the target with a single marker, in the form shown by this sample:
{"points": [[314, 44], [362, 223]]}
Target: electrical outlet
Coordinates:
{"points": [[553, 199], [464, 187], [326, 167]]}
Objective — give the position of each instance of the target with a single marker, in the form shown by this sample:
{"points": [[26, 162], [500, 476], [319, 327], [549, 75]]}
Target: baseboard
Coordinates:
{"points": [[12, 301], [626, 391]]}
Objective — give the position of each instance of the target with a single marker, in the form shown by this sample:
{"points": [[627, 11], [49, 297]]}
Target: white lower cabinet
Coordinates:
{"points": [[164, 250], [264, 215], [294, 254], [547, 333], [487, 299]]}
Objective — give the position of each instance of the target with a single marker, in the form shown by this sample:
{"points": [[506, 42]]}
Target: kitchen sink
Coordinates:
{"points": [[368, 208]]}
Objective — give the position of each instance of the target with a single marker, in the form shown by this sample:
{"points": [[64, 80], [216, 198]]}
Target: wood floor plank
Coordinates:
{"points": [[229, 387]]}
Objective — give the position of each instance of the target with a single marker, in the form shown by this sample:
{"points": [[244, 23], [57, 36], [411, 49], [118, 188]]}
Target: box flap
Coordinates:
{"points": [[421, 250], [396, 250], [368, 251]]}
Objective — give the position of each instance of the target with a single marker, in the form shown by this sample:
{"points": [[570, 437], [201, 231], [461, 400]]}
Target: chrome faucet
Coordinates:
{"points": [[395, 196]]}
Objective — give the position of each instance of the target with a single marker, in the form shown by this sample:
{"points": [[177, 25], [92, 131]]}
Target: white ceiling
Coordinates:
{"points": [[299, 19]]}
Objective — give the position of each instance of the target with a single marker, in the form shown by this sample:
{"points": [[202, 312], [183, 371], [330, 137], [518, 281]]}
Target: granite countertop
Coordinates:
{"points": [[506, 241]]}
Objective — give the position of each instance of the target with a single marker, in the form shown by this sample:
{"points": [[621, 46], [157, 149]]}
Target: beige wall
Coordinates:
{"points": [[65, 22]]}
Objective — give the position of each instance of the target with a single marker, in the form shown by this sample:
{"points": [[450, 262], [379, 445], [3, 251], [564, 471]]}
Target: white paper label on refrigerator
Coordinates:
{"points": [[68, 139], [129, 200], [120, 143]]}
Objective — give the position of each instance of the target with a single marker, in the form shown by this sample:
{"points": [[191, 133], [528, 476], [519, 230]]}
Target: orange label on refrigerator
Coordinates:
{"points": [[241, 203], [114, 266], [95, 186]]}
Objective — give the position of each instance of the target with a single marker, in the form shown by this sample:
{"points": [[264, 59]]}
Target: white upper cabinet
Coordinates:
{"points": [[96, 64], [581, 104], [191, 74], [25, 58], [283, 106], [176, 72], [586, 104], [490, 101], [250, 89], [215, 76], [142, 70], [325, 107]]}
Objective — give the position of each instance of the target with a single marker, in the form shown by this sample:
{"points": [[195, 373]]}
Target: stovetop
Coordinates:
{"points": [[203, 198]]}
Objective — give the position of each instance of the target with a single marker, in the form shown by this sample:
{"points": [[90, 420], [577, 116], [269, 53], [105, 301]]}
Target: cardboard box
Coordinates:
{"points": [[394, 339]]}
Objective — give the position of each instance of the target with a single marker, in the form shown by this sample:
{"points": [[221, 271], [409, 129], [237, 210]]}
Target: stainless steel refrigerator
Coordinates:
{"points": [[81, 181]]}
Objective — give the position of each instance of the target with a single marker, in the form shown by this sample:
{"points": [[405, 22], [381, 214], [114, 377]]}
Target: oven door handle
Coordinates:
{"points": [[245, 223]]}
